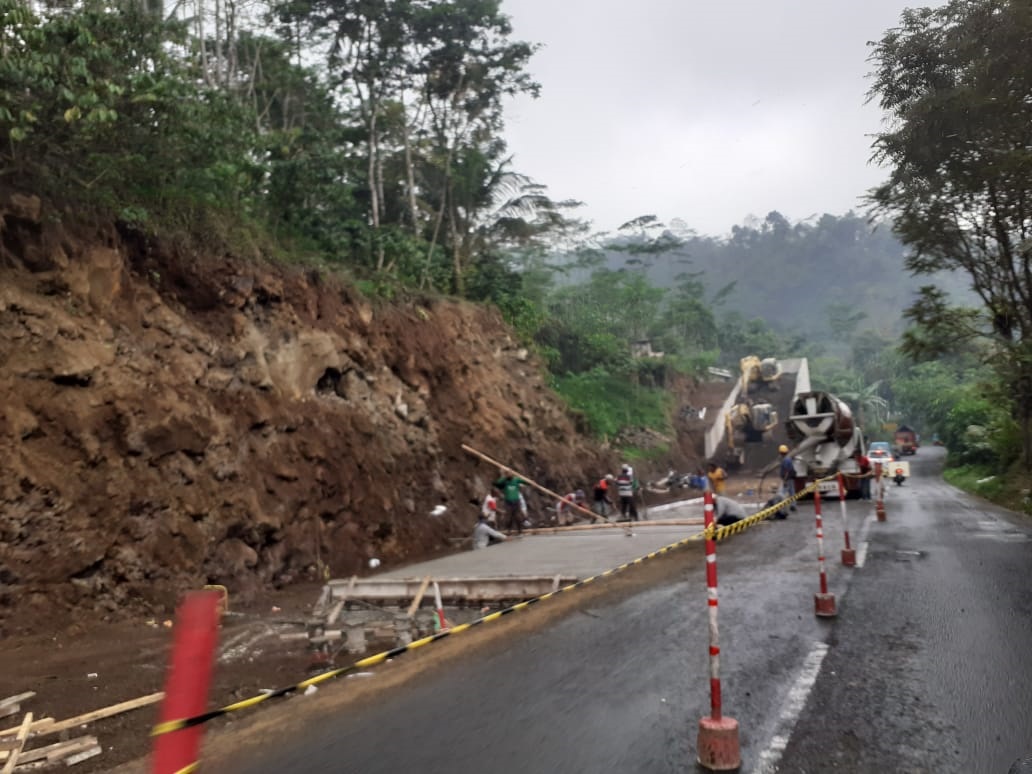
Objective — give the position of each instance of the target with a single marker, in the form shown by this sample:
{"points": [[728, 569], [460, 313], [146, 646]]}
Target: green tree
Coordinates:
{"points": [[957, 83], [95, 106], [870, 407]]}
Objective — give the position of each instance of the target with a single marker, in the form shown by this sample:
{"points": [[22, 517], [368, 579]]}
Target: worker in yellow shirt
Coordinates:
{"points": [[717, 476]]}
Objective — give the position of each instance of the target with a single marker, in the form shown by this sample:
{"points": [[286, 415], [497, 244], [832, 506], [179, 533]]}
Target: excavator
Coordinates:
{"points": [[757, 373], [747, 421]]}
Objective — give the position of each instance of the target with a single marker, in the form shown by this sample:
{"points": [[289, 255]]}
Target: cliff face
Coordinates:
{"points": [[170, 420]]}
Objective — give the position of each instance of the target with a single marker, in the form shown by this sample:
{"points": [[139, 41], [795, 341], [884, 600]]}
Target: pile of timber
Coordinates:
{"points": [[17, 744]]}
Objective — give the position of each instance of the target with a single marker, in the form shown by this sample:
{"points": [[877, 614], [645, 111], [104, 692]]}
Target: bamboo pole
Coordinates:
{"points": [[591, 527], [535, 485]]}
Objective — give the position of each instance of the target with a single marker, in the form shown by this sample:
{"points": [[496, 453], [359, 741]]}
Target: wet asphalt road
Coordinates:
{"points": [[930, 668], [926, 668]]}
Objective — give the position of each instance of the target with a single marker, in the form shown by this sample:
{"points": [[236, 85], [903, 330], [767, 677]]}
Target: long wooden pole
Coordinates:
{"points": [[535, 485]]}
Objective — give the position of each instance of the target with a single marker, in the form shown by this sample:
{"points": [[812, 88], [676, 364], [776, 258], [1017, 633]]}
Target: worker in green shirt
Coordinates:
{"points": [[509, 486]]}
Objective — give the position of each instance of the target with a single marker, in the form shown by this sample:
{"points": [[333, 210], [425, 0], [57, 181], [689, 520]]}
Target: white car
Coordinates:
{"points": [[880, 451]]}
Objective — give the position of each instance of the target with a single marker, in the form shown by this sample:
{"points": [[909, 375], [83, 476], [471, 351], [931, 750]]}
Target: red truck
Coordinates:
{"points": [[906, 441]]}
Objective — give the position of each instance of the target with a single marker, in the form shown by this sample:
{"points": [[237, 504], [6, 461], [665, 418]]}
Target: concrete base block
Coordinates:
{"points": [[824, 605], [718, 748]]}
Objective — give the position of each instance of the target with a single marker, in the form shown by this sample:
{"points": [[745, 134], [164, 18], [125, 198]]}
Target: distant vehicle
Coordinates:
{"points": [[879, 451], [747, 421], [757, 373], [905, 441], [825, 439]]}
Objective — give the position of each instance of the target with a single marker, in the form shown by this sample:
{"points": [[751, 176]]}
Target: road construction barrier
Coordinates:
{"points": [[848, 554], [879, 479], [824, 603], [171, 725], [717, 745], [189, 676]]}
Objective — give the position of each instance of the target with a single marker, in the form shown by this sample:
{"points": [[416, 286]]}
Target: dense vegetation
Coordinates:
{"points": [[367, 136], [956, 82]]}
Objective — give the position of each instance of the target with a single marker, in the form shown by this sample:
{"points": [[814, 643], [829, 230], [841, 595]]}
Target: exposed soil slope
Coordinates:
{"points": [[169, 420]]}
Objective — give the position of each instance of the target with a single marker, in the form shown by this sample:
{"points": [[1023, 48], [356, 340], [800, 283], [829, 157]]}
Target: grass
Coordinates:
{"points": [[610, 402], [1012, 489]]}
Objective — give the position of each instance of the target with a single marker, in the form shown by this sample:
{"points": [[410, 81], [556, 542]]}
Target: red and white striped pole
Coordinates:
{"points": [[879, 505], [440, 622], [824, 603], [848, 554], [717, 747], [186, 686]]}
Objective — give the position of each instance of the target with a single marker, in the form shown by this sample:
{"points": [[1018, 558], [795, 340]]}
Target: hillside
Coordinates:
{"points": [[818, 279], [171, 419]]}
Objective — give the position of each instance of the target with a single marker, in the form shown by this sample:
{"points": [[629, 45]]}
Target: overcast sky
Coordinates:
{"points": [[704, 110]]}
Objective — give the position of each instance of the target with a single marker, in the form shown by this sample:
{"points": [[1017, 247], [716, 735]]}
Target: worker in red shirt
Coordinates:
{"points": [[603, 502], [864, 463]]}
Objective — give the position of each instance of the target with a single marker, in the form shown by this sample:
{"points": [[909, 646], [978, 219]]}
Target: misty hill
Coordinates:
{"points": [[805, 278]]}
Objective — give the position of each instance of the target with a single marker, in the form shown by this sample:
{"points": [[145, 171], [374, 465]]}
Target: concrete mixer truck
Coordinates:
{"points": [[823, 439]]}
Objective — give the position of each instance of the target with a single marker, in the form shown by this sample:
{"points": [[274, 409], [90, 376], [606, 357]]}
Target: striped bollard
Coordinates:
{"points": [[879, 505], [848, 554], [440, 622], [189, 676], [824, 603], [717, 746]]}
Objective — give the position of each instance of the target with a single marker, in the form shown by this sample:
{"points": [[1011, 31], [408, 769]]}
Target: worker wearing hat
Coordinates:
{"points": [[786, 472]]}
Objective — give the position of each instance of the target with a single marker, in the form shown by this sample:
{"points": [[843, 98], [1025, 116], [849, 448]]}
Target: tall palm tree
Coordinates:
{"points": [[866, 401]]}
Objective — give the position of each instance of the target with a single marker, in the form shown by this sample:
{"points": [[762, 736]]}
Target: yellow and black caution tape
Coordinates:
{"points": [[719, 533]]}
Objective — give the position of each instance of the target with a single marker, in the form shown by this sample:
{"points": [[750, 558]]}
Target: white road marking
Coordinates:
{"points": [[861, 555], [791, 709]]}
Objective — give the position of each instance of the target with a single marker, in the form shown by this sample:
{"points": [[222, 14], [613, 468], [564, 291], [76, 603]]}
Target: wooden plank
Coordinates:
{"points": [[105, 712], [37, 726], [334, 613], [17, 698], [79, 757], [595, 527], [416, 600], [57, 750], [23, 734]]}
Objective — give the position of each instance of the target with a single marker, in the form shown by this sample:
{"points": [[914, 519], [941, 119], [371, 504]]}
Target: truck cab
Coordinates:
{"points": [[905, 441]]}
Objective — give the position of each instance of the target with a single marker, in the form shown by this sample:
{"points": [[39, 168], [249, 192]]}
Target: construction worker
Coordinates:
{"points": [[726, 511], [625, 490], [565, 513], [786, 472], [717, 477], [484, 534], [602, 501], [489, 509], [863, 462], [512, 499]]}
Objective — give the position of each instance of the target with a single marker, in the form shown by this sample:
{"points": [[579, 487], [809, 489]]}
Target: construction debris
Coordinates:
{"points": [[70, 752], [14, 753], [12, 704], [12, 740]]}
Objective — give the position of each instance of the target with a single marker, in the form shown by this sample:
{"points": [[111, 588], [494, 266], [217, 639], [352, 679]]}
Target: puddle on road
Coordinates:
{"points": [[1001, 531], [906, 556]]}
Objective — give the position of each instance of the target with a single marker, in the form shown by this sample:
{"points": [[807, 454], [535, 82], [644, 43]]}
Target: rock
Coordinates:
{"points": [[26, 207]]}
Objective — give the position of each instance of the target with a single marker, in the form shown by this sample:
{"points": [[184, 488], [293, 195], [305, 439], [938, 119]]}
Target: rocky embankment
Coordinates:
{"points": [[170, 419]]}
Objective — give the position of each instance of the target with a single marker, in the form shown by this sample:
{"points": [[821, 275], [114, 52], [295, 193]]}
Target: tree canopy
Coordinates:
{"points": [[956, 83]]}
